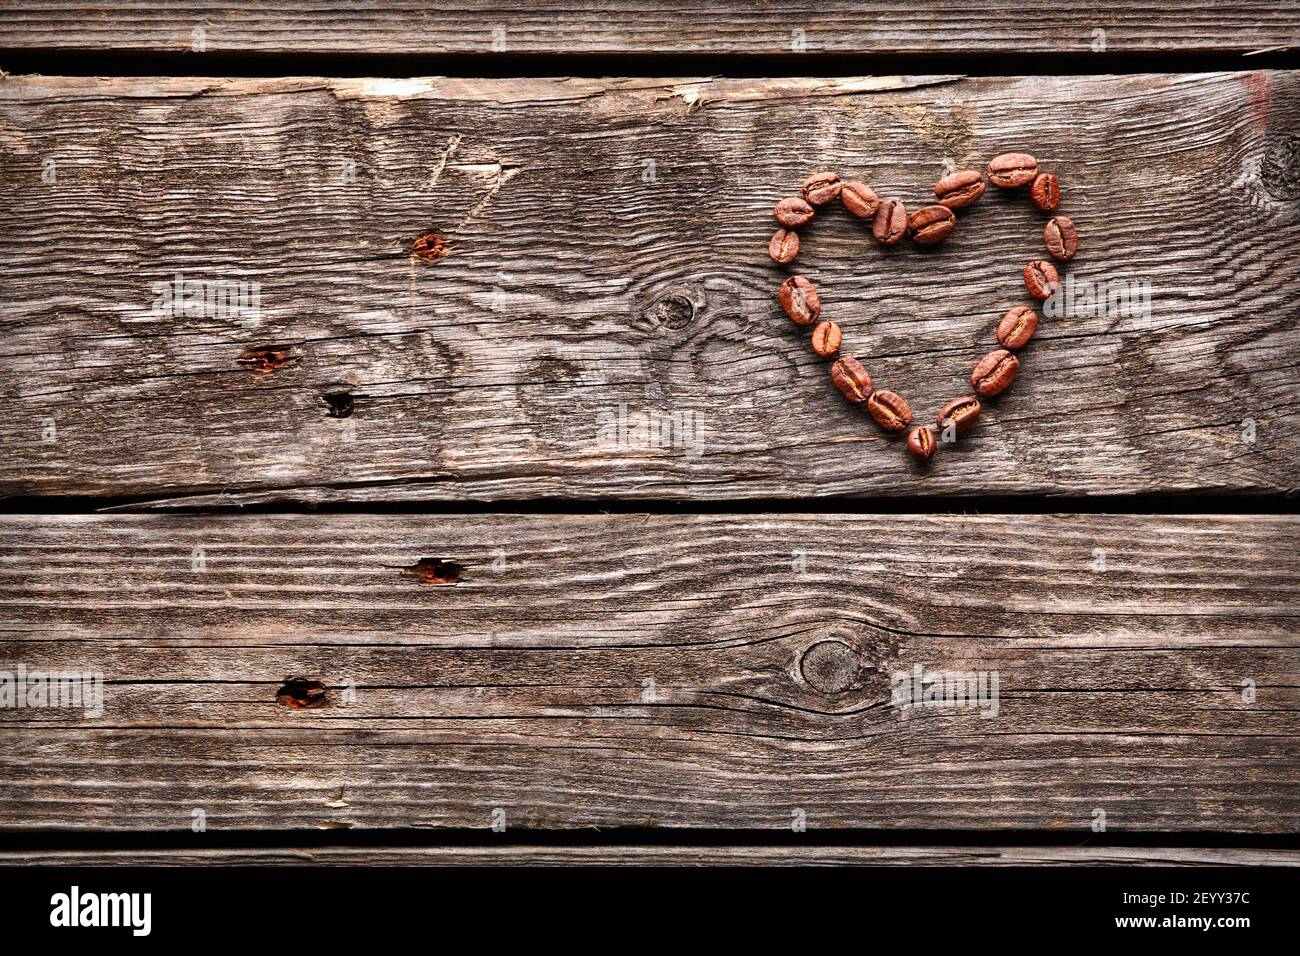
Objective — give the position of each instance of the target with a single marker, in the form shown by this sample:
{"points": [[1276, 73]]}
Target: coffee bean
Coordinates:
{"points": [[1012, 170], [784, 246], [1061, 238], [859, 199], [994, 373], [931, 224], [958, 190], [1041, 278], [890, 410], [821, 188], [792, 212], [826, 339], [851, 379], [1017, 327], [890, 224], [1045, 192], [960, 412], [800, 300], [921, 443]]}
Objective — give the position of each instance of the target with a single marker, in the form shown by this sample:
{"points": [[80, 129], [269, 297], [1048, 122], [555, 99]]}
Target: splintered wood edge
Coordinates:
{"points": [[692, 91]]}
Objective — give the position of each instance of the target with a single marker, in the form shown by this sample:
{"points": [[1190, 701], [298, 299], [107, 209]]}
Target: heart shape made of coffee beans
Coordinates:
{"points": [[890, 224]]}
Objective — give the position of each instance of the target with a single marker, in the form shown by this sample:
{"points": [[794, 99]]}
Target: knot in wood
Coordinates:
{"points": [[829, 667], [1280, 171], [672, 311]]}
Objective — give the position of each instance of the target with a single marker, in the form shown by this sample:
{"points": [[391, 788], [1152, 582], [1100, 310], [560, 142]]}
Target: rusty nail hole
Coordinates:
{"points": [[300, 693], [340, 404], [436, 571], [430, 247], [267, 359]]}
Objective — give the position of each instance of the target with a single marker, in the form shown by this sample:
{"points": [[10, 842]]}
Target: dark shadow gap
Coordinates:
{"points": [[632, 836], [1158, 503], [71, 62]]}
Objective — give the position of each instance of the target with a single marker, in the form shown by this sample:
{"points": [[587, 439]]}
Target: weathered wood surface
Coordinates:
{"points": [[575, 287], [651, 855], [665, 26], [656, 671]]}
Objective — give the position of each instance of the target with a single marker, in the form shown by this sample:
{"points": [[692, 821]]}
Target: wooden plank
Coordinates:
{"points": [[580, 301], [656, 671], [652, 855], [665, 26]]}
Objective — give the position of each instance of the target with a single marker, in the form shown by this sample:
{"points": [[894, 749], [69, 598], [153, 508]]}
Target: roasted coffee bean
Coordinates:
{"points": [[800, 300], [1017, 327], [890, 224], [958, 190], [826, 339], [859, 199], [1045, 192], [784, 246], [1012, 170], [960, 412], [821, 188], [931, 224], [851, 379], [1041, 278], [890, 410], [792, 212], [994, 373], [921, 442], [1061, 238]]}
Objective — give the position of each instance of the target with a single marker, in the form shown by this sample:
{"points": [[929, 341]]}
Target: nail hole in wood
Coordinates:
{"points": [[270, 359], [436, 571], [299, 693], [340, 404], [430, 247]]}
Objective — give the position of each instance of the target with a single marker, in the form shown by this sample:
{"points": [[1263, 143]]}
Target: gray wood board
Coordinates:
{"points": [[567, 27], [653, 671], [581, 303]]}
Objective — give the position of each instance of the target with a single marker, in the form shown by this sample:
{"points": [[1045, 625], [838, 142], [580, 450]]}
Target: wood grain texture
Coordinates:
{"points": [[636, 670], [651, 855], [577, 294], [664, 26]]}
